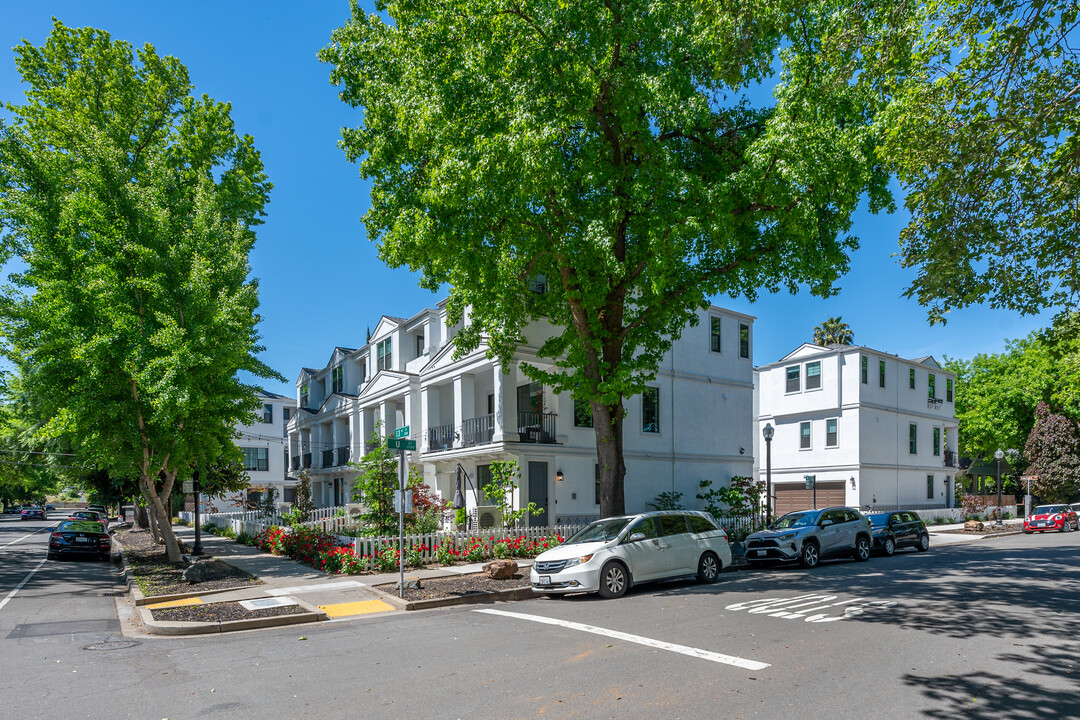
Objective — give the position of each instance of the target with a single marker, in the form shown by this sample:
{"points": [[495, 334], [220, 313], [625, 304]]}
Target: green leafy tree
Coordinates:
{"points": [[1053, 453], [611, 154], [501, 490], [131, 205], [833, 331], [376, 485], [981, 131]]}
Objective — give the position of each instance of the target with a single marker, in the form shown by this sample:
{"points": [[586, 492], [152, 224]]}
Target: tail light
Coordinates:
{"points": [[56, 536]]}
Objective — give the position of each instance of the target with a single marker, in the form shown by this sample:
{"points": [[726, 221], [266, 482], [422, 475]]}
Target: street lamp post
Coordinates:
{"points": [[197, 548], [767, 432], [999, 454]]}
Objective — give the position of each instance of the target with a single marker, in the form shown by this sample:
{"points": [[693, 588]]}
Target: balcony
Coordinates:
{"points": [[440, 437], [369, 447], [327, 458], [477, 430], [934, 403], [343, 455], [307, 460], [536, 427], [295, 462], [950, 458]]}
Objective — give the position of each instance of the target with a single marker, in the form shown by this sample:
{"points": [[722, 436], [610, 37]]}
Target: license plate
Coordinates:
{"points": [[759, 553], [85, 540], [543, 580]]}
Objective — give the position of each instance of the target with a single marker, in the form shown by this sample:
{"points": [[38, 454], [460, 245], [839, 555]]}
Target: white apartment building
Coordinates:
{"points": [[265, 460], [876, 430], [693, 423]]}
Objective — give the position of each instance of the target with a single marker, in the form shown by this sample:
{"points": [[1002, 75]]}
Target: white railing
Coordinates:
{"points": [[425, 544], [254, 522]]}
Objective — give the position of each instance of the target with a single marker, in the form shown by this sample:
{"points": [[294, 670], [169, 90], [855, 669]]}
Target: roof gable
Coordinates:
{"points": [[804, 350], [386, 325], [383, 381]]}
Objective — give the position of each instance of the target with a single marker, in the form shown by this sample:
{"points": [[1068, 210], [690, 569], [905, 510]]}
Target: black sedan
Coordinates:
{"points": [[893, 530], [80, 537], [33, 513]]}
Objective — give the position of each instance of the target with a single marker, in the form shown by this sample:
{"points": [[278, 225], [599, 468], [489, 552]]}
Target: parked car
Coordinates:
{"points": [[33, 513], [99, 508], [1076, 508], [13, 510], [88, 515], [1059, 517], [50, 507], [810, 536], [610, 555], [893, 530], [80, 537]]}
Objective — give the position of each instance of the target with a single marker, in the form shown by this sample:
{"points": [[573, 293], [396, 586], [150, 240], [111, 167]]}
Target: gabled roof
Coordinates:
{"points": [[272, 396], [382, 381], [811, 350]]}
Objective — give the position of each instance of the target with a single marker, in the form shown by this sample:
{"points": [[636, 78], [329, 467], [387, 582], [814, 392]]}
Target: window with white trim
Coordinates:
{"points": [[804, 436], [793, 379], [256, 458], [831, 432], [813, 375]]}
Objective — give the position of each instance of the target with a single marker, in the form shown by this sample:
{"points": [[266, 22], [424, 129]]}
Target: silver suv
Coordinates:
{"points": [[810, 536]]}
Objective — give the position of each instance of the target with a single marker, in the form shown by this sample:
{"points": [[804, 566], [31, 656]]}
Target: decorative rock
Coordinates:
{"points": [[501, 569], [197, 573], [411, 583], [973, 526]]}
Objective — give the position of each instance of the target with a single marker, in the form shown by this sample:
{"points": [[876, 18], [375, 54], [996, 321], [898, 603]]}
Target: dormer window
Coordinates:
{"points": [[383, 355], [338, 377], [268, 413], [420, 345], [304, 395]]}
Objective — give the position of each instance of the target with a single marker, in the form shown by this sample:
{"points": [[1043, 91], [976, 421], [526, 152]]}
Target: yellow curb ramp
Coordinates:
{"points": [[182, 602], [362, 607]]}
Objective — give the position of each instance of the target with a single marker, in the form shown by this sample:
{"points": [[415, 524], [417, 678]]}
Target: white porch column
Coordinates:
{"points": [[356, 444], [464, 405], [425, 417], [367, 427], [413, 412], [386, 417], [505, 405]]}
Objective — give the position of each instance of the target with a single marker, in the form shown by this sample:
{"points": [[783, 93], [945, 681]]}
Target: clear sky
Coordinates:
{"points": [[321, 282]]}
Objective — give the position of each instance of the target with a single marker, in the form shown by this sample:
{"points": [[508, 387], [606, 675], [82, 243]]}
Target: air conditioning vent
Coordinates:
{"points": [[489, 516]]}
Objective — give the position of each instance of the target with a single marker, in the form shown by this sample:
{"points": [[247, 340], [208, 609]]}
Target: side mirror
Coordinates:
{"points": [[636, 537], [826, 523]]}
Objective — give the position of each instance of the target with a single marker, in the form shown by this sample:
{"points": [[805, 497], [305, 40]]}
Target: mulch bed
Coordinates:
{"points": [[989, 528], [216, 612], [157, 576], [450, 587]]}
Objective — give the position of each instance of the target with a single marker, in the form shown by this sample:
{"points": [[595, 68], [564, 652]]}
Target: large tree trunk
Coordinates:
{"points": [[608, 427], [159, 515]]}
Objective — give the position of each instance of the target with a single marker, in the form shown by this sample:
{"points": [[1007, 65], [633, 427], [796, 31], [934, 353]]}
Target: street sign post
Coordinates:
{"points": [[811, 484], [402, 504], [402, 432], [400, 444]]}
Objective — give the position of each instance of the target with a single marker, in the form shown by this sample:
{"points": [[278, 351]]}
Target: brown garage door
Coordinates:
{"points": [[794, 496]]}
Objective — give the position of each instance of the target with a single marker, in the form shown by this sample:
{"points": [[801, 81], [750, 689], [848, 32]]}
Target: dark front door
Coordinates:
{"points": [[538, 492]]}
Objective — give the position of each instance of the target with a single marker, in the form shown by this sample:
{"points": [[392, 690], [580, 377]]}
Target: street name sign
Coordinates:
{"points": [[400, 444], [402, 432]]}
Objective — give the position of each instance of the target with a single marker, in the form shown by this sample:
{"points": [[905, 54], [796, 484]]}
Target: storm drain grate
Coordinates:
{"points": [[113, 593], [113, 645]]}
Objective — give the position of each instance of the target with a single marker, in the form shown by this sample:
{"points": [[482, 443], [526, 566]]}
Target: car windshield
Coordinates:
{"points": [[83, 526], [879, 519], [795, 519], [1048, 509], [599, 531]]}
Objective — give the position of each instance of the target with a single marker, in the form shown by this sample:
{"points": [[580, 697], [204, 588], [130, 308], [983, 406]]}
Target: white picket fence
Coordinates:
{"points": [[253, 522], [425, 544]]}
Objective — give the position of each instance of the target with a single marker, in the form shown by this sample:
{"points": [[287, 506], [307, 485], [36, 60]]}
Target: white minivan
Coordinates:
{"points": [[610, 555]]}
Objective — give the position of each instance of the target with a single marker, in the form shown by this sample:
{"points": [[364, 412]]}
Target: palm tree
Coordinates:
{"points": [[833, 331]]}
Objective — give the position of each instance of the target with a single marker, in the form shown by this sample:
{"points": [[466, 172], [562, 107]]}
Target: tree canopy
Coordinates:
{"points": [[981, 131], [1053, 453], [626, 157], [833, 331], [132, 205]]}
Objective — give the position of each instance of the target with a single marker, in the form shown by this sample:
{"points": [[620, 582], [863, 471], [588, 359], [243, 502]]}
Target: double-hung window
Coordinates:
{"points": [[383, 355], [804, 436], [948, 389], [930, 392], [256, 458], [813, 375], [650, 410], [929, 487], [268, 413], [337, 375], [881, 373], [831, 432], [420, 345], [911, 378], [744, 341], [304, 395], [714, 333], [937, 441], [865, 365], [793, 379], [913, 438]]}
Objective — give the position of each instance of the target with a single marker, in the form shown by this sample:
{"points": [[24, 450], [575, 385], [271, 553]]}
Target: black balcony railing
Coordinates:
{"points": [[950, 458], [440, 437], [295, 462], [477, 430], [342, 455], [327, 458], [536, 427], [368, 447], [307, 460]]}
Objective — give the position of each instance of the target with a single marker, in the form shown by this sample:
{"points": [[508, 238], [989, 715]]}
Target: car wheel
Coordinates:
{"points": [[50, 556], [810, 555], [613, 580], [1027, 532], [889, 546], [708, 568], [924, 542], [862, 548]]}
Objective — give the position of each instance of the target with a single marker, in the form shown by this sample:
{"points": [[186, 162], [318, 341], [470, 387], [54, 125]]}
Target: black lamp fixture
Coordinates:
{"points": [[767, 432], [559, 475]]}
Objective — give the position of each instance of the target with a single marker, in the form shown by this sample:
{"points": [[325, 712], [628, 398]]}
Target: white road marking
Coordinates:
{"points": [[344, 584], [20, 585], [660, 644], [23, 537], [782, 607]]}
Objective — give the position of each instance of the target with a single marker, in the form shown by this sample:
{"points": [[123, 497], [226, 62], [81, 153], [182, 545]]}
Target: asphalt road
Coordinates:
{"points": [[980, 630]]}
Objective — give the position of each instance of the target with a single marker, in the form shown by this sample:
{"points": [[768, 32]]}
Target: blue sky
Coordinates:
{"points": [[321, 282]]}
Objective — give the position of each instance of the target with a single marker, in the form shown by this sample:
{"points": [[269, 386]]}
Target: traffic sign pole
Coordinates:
{"points": [[401, 525]]}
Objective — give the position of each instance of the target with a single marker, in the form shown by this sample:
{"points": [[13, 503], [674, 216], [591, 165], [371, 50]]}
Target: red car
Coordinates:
{"points": [[1051, 517]]}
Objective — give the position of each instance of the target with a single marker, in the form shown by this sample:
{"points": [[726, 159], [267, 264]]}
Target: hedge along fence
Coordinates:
{"points": [[426, 546]]}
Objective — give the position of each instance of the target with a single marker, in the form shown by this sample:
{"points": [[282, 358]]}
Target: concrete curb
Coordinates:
{"points": [[523, 593], [177, 627], [141, 599]]}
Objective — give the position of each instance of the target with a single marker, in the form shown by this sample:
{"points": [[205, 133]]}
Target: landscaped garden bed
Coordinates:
{"points": [[454, 587], [222, 612], [155, 575]]}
